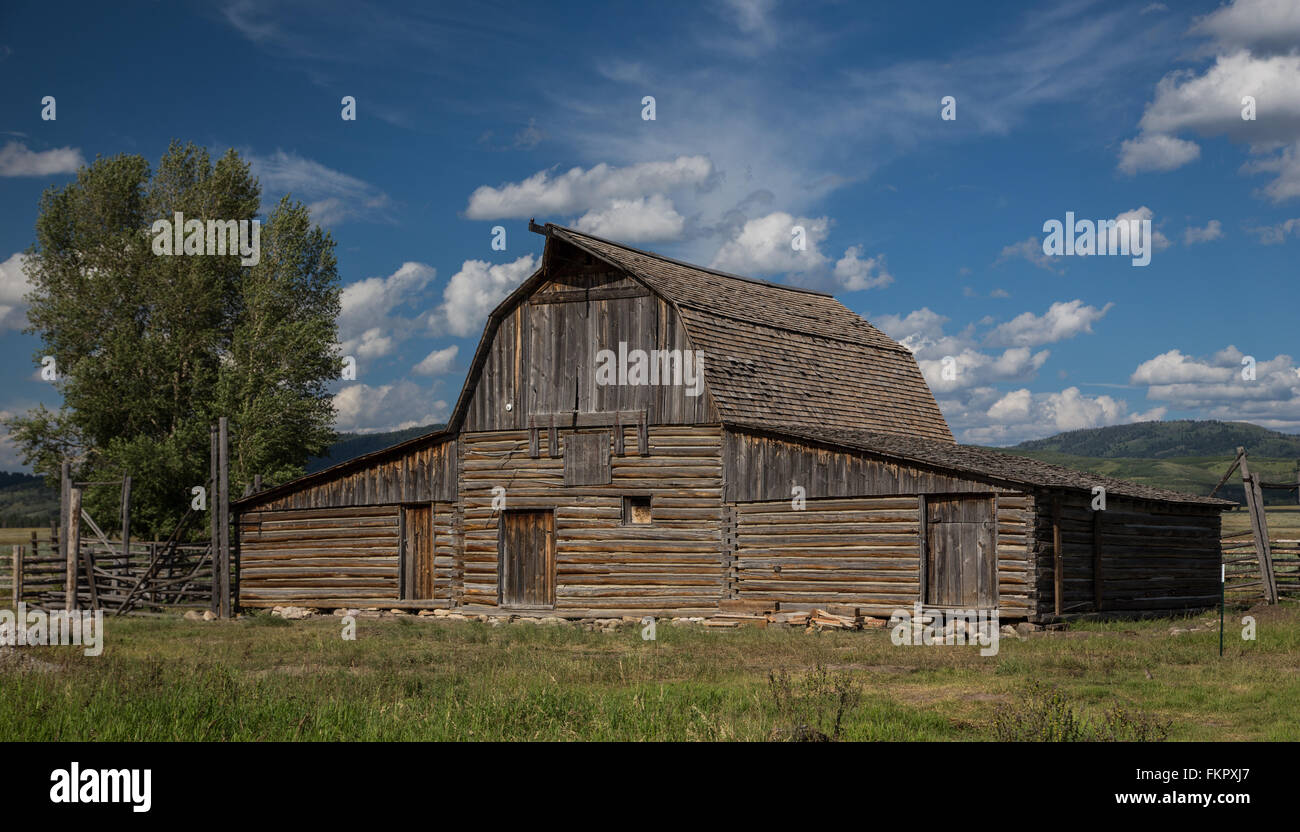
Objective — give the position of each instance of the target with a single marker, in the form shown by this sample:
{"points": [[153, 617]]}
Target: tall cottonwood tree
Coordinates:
{"points": [[151, 349]]}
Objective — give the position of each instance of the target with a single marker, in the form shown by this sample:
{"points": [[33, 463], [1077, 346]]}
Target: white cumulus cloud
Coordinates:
{"points": [[17, 160]]}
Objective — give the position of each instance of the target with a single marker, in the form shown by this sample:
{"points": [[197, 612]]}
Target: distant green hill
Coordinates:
{"points": [[1160, 440], [26, 501], [352, 445], [1188, 456]]}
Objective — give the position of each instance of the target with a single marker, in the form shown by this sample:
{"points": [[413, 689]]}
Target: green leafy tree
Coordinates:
{"points": [[150, 349]]}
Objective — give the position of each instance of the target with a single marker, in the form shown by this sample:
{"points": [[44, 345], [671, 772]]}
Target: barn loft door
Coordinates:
{"points": [[528, 559], [961, 555], [417, 552]]}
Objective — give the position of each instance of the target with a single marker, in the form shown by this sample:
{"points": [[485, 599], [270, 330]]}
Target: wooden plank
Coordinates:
{"points": [[1259, 526], [17, 582], [126, 516], [214, 519], [72, 534], [406, 560], [1097, 580], [924, 542], [1058, 557], [222, 564]]}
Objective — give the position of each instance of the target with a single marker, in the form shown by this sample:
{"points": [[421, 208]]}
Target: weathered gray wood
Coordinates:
{"points": [[214, 518], [1058, 557], [1259, 526], [586, 459], [223, 489], [17, 584], [1097, 580], [72, 537]]}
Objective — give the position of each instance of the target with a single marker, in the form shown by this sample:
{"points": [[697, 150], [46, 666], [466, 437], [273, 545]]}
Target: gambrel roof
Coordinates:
{"points": [[780, 354]]}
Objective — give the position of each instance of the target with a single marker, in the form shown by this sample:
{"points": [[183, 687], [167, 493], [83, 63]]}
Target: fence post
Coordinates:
{"points": [[18, 578], [72, 543], [223, 472], [65, 486], [215, 605]]}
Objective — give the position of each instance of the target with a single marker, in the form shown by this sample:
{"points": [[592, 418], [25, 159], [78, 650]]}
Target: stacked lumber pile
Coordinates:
{"points": [[736, 613]]}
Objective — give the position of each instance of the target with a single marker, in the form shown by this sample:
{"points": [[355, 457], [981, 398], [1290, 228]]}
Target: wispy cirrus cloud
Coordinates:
{"points": [[333, 197]]}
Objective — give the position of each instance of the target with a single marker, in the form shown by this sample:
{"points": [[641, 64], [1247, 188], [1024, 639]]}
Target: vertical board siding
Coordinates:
{"points": [[766, 468], [420, 475], [308, 556], [674, 562], [1154, 556], [542, 356]]}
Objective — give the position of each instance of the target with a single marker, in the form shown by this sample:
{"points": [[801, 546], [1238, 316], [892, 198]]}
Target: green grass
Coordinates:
{"points": [[260, 678], [9, 537], [1283, 521]]}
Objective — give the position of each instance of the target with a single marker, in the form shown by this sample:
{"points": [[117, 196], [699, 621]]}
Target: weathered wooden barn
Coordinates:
{"points": [[587, 470]]}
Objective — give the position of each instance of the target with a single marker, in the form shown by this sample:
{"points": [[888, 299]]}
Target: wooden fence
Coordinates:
{"points": [[1243, 581], [149, 576]]}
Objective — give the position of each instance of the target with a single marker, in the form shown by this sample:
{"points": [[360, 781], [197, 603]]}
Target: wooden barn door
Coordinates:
{"points": [[528, 559], [961, 553], [417, 558]]}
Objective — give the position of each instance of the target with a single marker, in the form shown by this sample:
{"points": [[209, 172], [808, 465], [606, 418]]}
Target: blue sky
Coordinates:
{"points": [[767, 115]]}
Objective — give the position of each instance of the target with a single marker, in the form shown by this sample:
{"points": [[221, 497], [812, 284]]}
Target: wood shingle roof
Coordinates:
{"points": [[983, 462], [782, 355]]}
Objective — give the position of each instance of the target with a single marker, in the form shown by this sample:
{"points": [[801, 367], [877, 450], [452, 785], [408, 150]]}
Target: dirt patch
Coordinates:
{"points": [[13, 660]]}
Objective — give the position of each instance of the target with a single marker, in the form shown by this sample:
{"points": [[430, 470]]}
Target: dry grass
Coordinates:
{"points": [[261, 678]]}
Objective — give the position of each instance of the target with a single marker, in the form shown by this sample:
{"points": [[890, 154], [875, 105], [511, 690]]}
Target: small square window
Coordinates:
{"points": [[636, 510]]}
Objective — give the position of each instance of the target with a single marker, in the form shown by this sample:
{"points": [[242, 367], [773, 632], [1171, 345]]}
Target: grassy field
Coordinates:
{"points": [[8, 537], [1283, 521], [263, 678]]}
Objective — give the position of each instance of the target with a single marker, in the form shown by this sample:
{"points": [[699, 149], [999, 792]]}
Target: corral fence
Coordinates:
{"points": [[147, 576], [80, 567], [1256, 565], [1241, 567]]}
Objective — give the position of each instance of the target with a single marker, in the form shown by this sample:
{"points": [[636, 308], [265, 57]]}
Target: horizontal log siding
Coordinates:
{"points": [[862, 552], [1156, 557], [444, 550], [1016, 581], [309, 556], [673, 563], [418, 476]]}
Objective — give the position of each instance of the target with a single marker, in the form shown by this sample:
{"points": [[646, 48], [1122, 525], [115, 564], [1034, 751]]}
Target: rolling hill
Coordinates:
{"points": [[1162, 440], [1186, 455]]}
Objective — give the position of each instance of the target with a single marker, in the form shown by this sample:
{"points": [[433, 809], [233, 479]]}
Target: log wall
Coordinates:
{"points": [[319, 557], [675, 562], [862, 552], [1154, 557]]}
